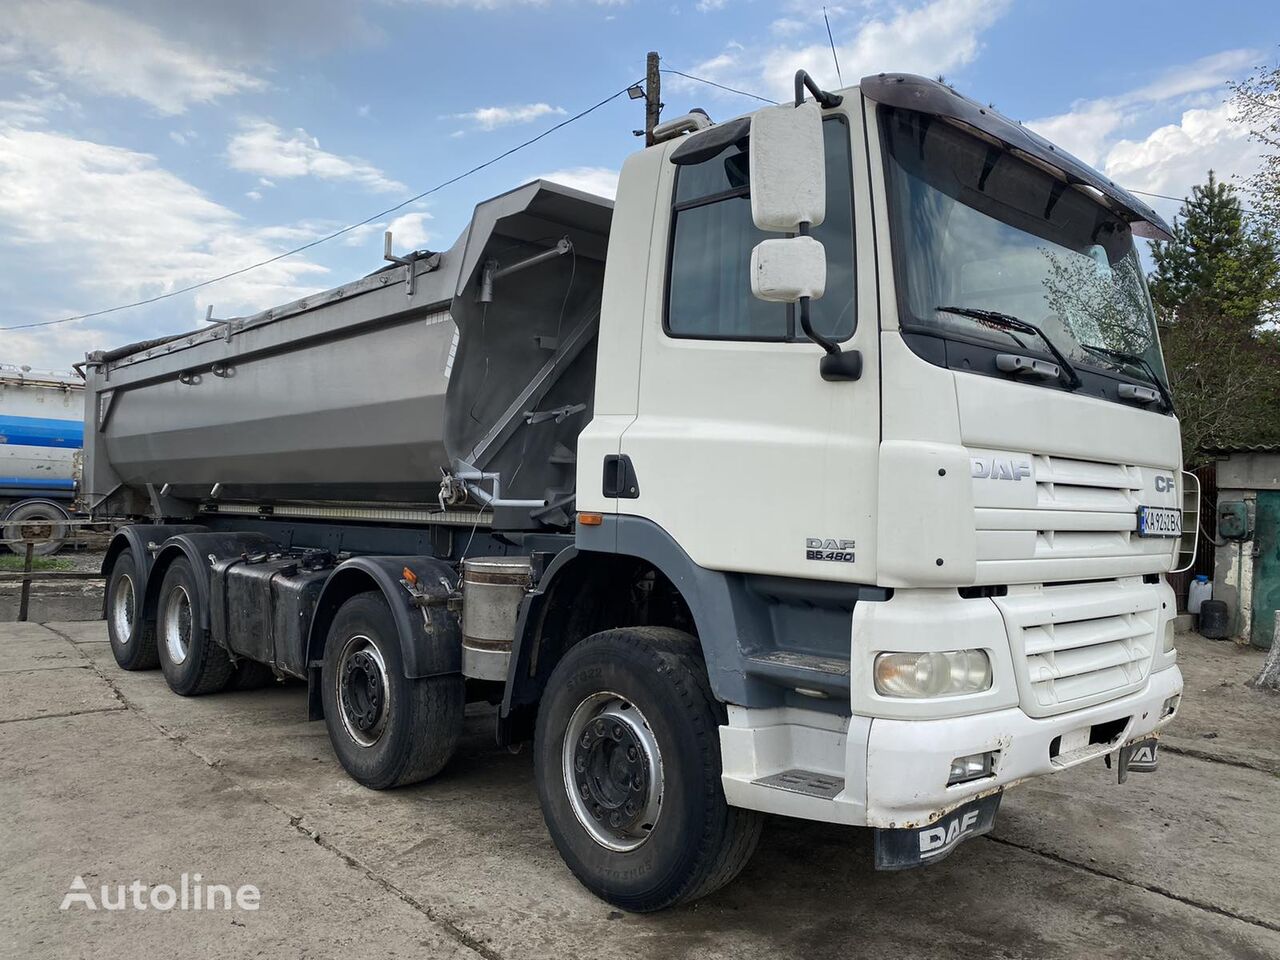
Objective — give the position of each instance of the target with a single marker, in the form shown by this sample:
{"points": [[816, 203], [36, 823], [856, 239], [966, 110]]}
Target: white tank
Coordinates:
{"points": [[1201, 589]]}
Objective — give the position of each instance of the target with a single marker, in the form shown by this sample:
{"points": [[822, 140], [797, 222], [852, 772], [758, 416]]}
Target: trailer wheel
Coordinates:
{"points": [[193, 663], [133, 637], [387, 729], [627, 760], [47, 516]]}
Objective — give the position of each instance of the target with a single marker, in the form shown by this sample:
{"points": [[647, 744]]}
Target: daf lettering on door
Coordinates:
{"points": [[938, 840], [999, 468]]}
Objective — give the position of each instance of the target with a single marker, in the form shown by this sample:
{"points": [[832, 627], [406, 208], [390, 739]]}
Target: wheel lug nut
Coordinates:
{"points": [[614, 820], [633, 754], [580, 765], [582, 789], [617, 732]]}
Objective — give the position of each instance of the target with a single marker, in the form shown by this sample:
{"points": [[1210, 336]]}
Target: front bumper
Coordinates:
{"points": [[908, 761], [893, 774]]}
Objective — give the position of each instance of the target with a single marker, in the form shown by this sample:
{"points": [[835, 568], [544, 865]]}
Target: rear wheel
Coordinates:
{"points": [[192, 661], [387, 729], [627, 759], [133, 638]]}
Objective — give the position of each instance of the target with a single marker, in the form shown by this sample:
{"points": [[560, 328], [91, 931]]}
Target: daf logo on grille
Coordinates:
{"points": [[999, 468]]}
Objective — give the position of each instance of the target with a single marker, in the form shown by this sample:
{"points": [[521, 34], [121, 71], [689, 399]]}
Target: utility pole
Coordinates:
{"points": [[652, 96]]}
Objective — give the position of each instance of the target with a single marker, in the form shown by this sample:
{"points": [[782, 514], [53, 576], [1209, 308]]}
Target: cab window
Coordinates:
{"points": [[708, 279]]}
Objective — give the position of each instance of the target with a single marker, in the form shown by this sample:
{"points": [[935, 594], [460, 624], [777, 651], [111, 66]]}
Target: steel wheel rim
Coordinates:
{"points": [[615, 794], [177, 623], [363, 690], [122, 608]]}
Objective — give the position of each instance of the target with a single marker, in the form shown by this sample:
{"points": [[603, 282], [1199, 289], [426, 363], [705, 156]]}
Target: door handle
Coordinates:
{"points": [[620, 477]]}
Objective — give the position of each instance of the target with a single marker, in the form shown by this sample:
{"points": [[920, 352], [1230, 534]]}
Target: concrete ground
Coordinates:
{"points": [[108, 776]]}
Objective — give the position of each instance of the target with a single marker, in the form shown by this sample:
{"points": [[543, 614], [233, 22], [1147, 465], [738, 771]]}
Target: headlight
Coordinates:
{"points": [[938, 674]]}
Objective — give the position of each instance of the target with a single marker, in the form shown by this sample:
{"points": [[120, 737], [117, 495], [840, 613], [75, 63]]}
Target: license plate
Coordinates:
{"points": [[900, 849], [1159, 522]]}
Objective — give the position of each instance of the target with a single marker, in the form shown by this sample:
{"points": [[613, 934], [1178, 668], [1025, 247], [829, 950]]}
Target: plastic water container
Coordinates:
{"points": [[1198, 592]]}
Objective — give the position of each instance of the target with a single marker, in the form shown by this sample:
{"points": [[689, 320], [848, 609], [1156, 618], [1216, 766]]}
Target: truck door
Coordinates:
{"points": [[740, 451]]}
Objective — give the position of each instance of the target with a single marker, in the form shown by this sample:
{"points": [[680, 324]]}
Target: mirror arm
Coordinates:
{"points": [[837, 364], [825, 100]]}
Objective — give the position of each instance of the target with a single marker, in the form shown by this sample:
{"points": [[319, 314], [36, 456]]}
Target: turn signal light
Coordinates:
{"points": [[591, 519], [946, 673]]}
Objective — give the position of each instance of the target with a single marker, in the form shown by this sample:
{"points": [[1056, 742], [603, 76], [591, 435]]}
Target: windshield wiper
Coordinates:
{"points": [[1007, 322], [1136, 360]]}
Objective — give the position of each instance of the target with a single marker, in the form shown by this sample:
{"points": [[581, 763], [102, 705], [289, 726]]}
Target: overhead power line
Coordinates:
{"points": [[332, 236], [719, 86]]}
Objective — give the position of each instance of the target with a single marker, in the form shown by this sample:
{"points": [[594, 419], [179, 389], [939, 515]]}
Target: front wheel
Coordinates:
{"points": [[387, 729], [627, 760]]}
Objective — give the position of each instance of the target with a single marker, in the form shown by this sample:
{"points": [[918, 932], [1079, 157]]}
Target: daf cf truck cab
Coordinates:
{"points": [[833, 473]]}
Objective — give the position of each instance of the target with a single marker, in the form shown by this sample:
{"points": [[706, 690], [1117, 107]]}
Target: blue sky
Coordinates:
{"points": [[149, 144]]}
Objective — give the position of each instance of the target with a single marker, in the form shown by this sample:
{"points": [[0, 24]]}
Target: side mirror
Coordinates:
{"points": [[788, 168], [787, 271]]}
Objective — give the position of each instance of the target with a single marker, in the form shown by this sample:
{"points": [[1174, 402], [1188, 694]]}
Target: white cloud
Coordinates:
{"points": [[408, 231], [930, 38], [602, 181], [254, 195], [707, 6], [1175, 156], [1163, 136], [262, 147], [138, 230], [490, 118], [107, 51], [1090, 127]]}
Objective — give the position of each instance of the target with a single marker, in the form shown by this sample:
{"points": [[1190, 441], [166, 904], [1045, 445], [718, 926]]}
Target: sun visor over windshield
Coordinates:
{"points": [[909, 92]]}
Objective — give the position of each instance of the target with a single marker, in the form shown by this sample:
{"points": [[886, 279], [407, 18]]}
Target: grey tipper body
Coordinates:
{"points": [[365, 393]]}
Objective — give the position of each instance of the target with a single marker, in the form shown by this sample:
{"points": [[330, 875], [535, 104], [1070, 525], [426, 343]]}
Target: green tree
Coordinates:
{"points": [[1215, 287], [1218, 262], [1257, 103]]}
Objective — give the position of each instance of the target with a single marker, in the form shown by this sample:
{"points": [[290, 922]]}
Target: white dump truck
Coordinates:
{"points": [[41, 432], [831, 472]]}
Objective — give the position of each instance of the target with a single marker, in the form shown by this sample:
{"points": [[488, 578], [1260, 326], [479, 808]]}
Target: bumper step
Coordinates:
{"points": [[807, 782]]}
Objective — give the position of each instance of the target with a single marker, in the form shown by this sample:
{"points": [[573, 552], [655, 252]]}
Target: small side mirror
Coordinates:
{"points": [[788, 168], [786, 271]]}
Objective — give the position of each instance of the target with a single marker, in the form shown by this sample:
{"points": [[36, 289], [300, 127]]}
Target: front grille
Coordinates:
{"points": [[1078, 519], [1081, 644]]}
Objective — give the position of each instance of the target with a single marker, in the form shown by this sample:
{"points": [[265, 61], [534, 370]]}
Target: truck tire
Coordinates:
{"points": [[627, 761], [193, 663], [132, 636], [387, 729], [42, 511]]}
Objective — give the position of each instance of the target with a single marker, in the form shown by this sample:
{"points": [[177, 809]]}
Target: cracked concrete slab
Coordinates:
{"points": [[30, 694], [140, 807], [469, 854]]}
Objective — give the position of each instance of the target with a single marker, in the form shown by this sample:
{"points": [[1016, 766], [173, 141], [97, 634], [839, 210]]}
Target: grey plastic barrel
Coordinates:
{"points": [[492, 591]]}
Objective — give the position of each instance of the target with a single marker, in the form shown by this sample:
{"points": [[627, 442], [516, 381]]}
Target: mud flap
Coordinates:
{"points": [[902, 849], [1141, 756]]}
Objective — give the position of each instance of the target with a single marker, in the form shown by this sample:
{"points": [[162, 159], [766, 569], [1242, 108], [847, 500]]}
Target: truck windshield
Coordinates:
{"points": [[977, 227]]}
